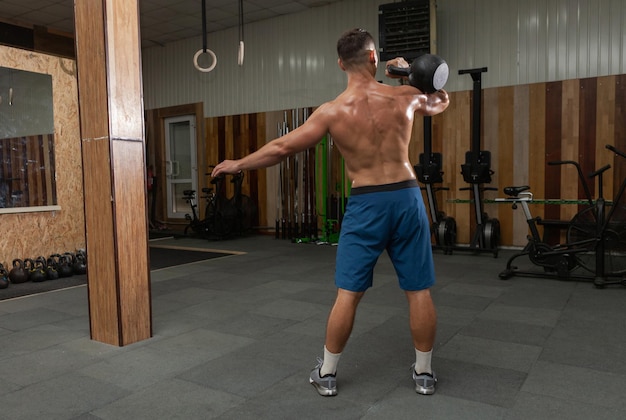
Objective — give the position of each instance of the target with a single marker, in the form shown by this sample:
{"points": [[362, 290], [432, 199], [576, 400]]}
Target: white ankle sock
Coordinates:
{"points": [[330, 362], [422, 361]]}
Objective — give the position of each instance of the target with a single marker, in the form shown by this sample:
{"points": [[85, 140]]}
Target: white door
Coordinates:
{"points": [[180, 162]]}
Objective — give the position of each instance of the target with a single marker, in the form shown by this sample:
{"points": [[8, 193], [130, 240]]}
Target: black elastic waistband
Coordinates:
{"points": [[409, 183]]}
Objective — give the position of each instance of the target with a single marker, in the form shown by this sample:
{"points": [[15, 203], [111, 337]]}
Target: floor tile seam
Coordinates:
{"points": [[563, 362], [516, 321], [619, 347], [439, 361], [576, 402], [620, 378], [464, 331], [243, 399], [532, 361], [459, 334]]}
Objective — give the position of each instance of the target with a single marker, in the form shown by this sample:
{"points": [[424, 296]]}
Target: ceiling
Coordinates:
{"points": [[161, 21]]}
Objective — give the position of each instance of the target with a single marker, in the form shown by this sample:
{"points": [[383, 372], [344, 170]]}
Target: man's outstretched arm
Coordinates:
{"points": [[272, 153]]}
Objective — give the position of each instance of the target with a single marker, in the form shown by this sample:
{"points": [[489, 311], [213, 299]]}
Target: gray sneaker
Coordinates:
{"points": [[424, 382], [325, 385]]}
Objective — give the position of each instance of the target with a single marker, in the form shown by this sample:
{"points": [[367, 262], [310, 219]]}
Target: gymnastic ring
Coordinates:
{"points": [[204, 69]]}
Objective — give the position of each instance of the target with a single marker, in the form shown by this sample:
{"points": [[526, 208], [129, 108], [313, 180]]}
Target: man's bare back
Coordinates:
{"points": [[370, 123]]}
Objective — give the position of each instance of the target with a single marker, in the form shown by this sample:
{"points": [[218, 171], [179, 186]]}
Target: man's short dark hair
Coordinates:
{"points": [[352, 44]]}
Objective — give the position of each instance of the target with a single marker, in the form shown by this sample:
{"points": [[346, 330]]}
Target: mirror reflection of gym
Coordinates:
{"points": [[27, 174]]}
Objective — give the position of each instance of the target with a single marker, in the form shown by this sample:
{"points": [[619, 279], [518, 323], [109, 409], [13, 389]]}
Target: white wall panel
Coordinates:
{"points": [[291, 62], [532, 41]]}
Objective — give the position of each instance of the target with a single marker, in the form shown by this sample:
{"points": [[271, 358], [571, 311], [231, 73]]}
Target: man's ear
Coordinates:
{"points": [[340, 64]]}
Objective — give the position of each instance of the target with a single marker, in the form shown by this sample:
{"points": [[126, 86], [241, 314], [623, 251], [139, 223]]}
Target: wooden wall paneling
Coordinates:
{"points": [[490, 141], [7, 183], [619, 114], [505, 154], [272, 121], [437, 147], [520, 157], [32, 169], [48, 164], [570, 141], [605, 131], [524, 127], [29, 172], [12, 162], [258, 180], [537, 146], [229, 146], [39, 170], [211, 143], [458, 115], [552, 180], [17, 165], [201, 164], [589, 150]]}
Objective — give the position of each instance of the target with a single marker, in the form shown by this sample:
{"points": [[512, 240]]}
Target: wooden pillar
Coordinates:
{"points": [[114, 173]]}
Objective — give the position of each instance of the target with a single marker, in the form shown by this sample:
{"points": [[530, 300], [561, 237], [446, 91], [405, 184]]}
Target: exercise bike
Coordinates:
{"points": [[195, 224], [215, 224], [556, 260], [607, 232], [240, 208], [594, 241]]}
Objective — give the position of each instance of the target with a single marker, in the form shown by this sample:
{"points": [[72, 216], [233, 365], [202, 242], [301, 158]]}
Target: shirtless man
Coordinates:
{"points": [[371, 125]]}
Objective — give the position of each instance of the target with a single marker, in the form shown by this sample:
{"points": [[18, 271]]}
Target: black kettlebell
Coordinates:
{"points": [[51, 268], [80, 263], [35, 270], [428, 72], [64, 265], [4, 277], [18, 274]]}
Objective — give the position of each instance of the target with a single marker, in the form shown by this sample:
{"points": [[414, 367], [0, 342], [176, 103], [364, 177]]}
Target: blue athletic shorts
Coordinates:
{"points": [[388, 217]]}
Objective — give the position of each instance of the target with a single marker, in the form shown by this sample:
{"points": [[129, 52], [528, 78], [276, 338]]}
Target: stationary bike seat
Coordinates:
{"points": [[189, 192], [515, 191]]}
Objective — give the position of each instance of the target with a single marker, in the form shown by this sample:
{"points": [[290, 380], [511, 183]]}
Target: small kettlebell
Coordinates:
{"points": [[64, 268], [4, 277], [51, 269], [39, 269], [80, 263], [17, 273], [35, 271]]}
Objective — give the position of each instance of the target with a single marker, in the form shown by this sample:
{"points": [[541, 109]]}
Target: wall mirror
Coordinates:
{"points": [[27, 170]]}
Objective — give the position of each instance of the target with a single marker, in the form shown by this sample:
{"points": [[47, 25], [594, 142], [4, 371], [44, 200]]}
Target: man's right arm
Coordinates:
{"points": [[303, 137]]}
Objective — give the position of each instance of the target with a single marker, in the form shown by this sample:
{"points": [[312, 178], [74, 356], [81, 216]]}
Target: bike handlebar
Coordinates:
{"points": [[562, 162], [599, 171], [614, 150], [583, 181]]}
